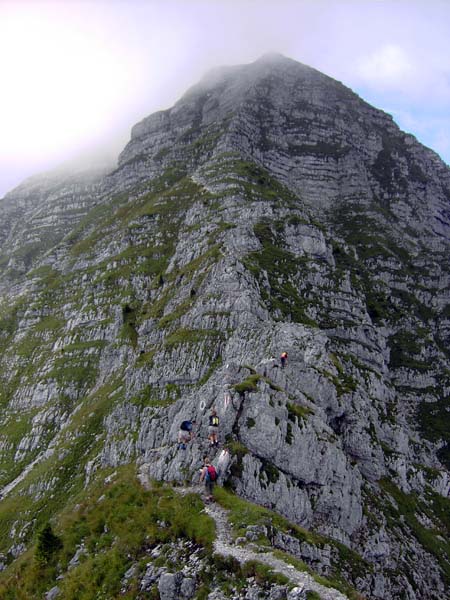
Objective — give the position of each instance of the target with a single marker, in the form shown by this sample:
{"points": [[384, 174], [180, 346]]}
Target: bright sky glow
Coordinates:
{"points": [[77, 74]]}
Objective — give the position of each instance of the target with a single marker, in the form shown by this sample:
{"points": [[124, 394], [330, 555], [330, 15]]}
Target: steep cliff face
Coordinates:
{"points": [[269, 210], [37, 215]]}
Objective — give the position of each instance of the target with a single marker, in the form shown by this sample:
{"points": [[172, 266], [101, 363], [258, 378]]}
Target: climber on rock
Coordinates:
{"points": [[213, 428], [185, 434], [283, 359], [208, 474]]}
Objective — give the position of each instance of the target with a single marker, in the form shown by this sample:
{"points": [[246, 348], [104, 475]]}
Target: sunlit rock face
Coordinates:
{"points": [[269, 210]]}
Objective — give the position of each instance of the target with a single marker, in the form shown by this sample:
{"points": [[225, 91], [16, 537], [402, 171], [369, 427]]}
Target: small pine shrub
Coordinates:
{"points": [[47, 545]]}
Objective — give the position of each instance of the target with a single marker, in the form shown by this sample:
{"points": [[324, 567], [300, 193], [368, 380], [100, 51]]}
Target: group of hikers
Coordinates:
{"points": [[186, 432], [209, 473]]}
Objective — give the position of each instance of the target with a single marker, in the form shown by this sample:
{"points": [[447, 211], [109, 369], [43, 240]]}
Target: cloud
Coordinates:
{"points": [[412, 74], [79, 73], [389, 66]]}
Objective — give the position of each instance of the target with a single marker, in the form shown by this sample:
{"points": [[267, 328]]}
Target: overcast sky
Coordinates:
{"points": [[77, 74]]}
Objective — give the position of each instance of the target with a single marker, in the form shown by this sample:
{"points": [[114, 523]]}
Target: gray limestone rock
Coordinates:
{"points": [[169, 586], [53, 593]]}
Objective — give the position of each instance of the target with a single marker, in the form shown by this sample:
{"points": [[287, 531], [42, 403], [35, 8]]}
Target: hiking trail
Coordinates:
{"points": [[224, 545]]}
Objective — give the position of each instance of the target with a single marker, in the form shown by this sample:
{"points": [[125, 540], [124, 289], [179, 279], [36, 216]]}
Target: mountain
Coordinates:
{"points": [[270, 209]]}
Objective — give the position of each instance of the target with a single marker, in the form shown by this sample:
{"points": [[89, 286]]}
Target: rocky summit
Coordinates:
{"points": [[269, 210]]}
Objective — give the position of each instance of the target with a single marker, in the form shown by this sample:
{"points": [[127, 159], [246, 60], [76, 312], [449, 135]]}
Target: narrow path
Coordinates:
{"points": [[224, 545], [15, 482]]}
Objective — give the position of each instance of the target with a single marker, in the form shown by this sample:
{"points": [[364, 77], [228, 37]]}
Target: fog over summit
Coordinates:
{"points": [[77, 75]]}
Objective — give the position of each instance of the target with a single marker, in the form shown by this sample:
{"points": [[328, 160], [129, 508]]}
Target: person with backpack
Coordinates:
{"points": [[185, 434], [213, 428], [283, 359], [209, 476]]}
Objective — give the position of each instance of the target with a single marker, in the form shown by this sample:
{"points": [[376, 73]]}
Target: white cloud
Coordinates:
{"points": [[415, 75], [389, 66]]}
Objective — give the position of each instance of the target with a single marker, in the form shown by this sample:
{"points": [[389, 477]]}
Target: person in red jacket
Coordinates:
{"points": [[208, 474]]}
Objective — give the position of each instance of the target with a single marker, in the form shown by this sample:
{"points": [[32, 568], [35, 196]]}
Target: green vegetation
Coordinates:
{"points": [[145, 359], [214, 365], [386, 167], [297, 413], [129, 325], [47, 545], [231, 575], [9, 317], [238, 450], [269, 473], [262, 573], [321, 148], [434, 423], [152, 395], [248, 385], [64, 469], [49, 323], [191, 336], [344, 383], [162, 152], [403, 346], [254, 181], [14, 429], [372, 238], [116, 523], [281, 269], [399, 508], [289, 434]]}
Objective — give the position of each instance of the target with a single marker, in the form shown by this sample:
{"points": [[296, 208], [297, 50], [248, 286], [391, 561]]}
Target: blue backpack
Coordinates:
{"points": [[186, 426]]}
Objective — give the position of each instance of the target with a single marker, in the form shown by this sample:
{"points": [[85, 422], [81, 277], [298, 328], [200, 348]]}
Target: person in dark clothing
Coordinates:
{"points": [[283, 359], [185, 434]]}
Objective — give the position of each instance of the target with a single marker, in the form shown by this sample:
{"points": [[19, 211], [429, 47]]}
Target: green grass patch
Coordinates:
{"points": [[297, 413], [49, 323], [117, 523], [248, 385], [191, 336]]}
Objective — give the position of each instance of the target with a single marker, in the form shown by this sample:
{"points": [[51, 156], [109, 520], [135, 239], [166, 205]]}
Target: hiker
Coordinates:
{"points": [[213, 428], [185, 434], [208, 474], [283, 359]]}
